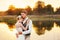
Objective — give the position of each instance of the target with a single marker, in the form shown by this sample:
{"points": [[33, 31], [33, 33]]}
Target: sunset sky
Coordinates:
{"points": [[4, 4]]}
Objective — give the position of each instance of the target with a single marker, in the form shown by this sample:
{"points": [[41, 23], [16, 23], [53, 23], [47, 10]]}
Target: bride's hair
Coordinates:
{"points": [[19, 17]]}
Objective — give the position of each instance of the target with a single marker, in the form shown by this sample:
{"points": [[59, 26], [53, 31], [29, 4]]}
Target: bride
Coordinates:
{"points": [[19, 28]]}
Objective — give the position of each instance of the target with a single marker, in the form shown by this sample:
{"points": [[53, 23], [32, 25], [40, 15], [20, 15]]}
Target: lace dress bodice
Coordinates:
{"points": [[18, 27]]}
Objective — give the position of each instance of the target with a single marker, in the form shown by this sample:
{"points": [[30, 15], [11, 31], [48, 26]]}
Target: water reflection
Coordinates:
{"points": [[42, 26], [53, 34], [45, 30], [5, 33], [58, 23]]}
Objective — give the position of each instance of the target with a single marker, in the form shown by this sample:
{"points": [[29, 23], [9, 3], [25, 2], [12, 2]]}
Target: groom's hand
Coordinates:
{"points": [[20, 33]]}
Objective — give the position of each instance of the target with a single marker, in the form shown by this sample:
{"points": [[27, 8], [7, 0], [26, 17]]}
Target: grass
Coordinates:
{"points": [[11, 20]]}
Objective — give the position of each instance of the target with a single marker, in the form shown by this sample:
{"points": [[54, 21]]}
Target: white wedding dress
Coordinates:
{"points": [[19, 29]]}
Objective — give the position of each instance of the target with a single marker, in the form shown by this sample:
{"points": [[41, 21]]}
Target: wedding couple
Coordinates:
{"points": [[23, 26]]}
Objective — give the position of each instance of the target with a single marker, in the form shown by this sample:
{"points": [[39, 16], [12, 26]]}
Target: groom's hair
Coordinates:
{"points": [[24, 11]]}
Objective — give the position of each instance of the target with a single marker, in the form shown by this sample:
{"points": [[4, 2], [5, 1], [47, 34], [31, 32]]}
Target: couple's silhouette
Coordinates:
{"points": [[23, 26]]}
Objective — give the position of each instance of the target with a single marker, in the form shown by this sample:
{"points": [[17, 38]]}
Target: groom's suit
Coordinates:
{"points": [[29, 26]]}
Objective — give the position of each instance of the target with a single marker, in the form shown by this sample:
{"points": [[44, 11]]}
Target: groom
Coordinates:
{"points": [[26, 21]]}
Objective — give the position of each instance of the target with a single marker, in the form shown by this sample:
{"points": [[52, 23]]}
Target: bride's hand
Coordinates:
{"points": [[16, 35], [20, 33]]}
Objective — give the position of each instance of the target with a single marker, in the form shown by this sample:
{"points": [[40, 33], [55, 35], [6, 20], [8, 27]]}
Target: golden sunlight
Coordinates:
{"points": [[4, 4], [5, 33]]}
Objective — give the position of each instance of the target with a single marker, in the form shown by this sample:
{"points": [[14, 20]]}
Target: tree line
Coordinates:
{"points": [[39, 9]]}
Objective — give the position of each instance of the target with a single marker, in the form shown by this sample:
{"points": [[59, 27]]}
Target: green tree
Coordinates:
{"points": [[39, 7], [49, 9], [28, 8], [14, 11], [11, 10]]}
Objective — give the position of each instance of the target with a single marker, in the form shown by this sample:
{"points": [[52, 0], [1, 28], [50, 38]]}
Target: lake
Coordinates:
{"points": [[43, 33]]}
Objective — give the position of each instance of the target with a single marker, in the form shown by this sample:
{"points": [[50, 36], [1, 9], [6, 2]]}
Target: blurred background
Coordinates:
{"points": [[45, 15]]}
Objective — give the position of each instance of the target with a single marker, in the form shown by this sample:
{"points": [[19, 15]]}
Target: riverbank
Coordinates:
{"points": [[11, 19], [34, 17]]}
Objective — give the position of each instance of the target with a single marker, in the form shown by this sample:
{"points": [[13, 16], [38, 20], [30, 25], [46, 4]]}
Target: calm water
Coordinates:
{"points": [[53, 34]]}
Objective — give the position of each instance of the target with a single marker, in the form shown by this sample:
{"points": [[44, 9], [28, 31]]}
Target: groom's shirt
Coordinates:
{"points": [[29, 26]]}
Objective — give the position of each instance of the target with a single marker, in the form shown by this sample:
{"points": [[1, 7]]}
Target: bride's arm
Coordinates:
{"points": [[25, 28]]}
